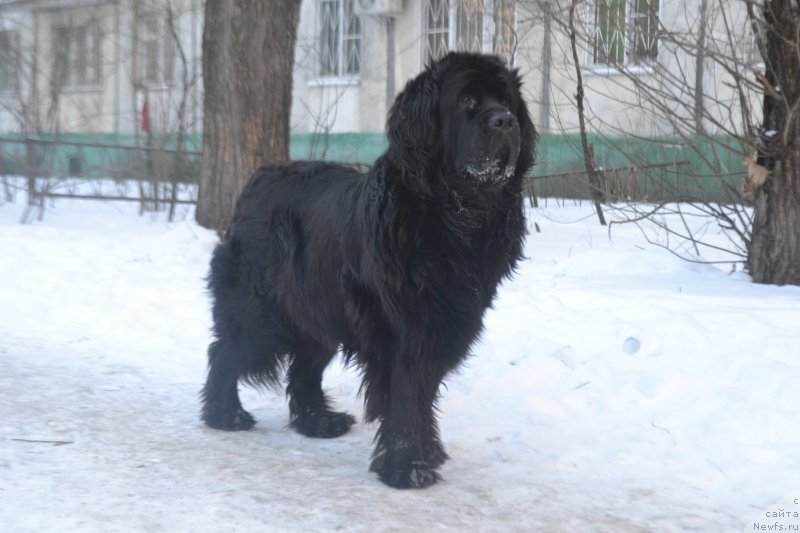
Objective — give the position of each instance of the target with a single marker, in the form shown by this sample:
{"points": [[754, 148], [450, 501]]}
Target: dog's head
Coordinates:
{"points": [[464, 120]]}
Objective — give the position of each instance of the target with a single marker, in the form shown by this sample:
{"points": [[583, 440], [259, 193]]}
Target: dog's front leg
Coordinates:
{"points": [[400, 458]]}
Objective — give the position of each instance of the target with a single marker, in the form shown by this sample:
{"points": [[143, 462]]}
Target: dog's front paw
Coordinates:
{"points": [[434, 454], [413, 475], [323, 424]]}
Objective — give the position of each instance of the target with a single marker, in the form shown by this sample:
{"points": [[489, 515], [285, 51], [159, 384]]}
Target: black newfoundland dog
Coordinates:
{"points": [[394, 267]]}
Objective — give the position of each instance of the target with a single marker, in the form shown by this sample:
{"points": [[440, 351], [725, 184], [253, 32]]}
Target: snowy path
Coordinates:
{"points": [[559, 423]]}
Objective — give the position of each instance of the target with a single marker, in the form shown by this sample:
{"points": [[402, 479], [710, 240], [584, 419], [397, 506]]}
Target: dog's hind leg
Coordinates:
{"points": [[250, 347], [247, 347], [222, 408], [309, 408]]}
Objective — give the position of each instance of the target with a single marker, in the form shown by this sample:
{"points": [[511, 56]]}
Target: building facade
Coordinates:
{"points": [[638, 58], [99, 66], [125, 66]]}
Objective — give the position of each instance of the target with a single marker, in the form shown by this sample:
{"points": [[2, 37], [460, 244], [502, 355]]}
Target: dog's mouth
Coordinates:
{"points": [[483, 169], [493, 169]]}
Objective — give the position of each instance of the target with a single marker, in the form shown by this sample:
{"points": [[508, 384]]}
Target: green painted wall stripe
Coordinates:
{"points": [[709, 163]]}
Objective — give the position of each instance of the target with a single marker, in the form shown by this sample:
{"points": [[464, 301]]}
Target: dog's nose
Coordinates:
{"points": [[502, 121]]}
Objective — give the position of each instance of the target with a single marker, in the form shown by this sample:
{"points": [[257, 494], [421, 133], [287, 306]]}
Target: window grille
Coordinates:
{"points": [[437, 28], [505, 36], [157, 50], [9, 50], [339, 38], [469, 28], [645, 30], [625, 32], [467, 25], [76, 55]]}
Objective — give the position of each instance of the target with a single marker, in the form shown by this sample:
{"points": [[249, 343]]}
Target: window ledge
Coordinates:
{"points": [[156, 87], [334, 82], [81, 89], [608, 70]]}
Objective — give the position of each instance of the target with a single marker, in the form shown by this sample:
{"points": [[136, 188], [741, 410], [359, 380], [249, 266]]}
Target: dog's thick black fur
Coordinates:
{"points": [[395, 267]]}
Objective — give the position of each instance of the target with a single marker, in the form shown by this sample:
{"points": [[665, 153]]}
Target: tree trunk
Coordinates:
{"points": [[588, 150], [774, 248], [248, 55]]}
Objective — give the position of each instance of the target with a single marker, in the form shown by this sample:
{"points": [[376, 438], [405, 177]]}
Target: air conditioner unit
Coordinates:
{"points": [[379, 8]]}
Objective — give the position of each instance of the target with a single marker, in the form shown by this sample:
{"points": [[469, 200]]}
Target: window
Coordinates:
{"points": [[9, 47], [76, 55], [437, 29], [156, 64], [339, 39], [75, 166], [505, 38], [626, 32], [463, 25]]}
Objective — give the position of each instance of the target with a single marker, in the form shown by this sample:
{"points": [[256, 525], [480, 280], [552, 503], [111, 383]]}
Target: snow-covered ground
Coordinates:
{"points": [[617, 388]]}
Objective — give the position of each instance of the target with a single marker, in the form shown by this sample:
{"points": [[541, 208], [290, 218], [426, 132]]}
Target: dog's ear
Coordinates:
{"points": [[414, 131], [527, 132]]}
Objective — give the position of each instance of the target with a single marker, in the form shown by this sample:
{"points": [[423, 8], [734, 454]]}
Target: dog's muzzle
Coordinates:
{"points": [[498, 162]]}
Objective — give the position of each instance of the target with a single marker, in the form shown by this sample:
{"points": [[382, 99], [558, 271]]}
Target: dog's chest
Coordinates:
{"points": [[464, 253]]}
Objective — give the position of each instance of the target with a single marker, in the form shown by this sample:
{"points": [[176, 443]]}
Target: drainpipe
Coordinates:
{"points": [[118, 69], [390, 60], [544, 116]]}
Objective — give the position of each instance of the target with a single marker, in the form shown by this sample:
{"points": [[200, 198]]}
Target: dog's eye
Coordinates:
{"points": [[467, 101]]}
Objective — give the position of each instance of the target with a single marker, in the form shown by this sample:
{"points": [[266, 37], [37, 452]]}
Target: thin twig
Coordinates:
{"points": [[53, 442]]}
